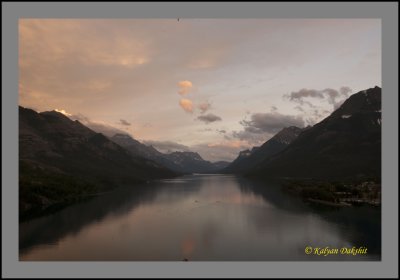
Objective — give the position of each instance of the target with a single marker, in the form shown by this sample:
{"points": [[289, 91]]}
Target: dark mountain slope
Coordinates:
{"points": [[249, 159], [63, 157], [347, 144], [138, 149]]}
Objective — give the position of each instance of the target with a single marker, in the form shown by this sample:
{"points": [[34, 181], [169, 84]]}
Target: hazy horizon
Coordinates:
{"points": [[212, 86]]}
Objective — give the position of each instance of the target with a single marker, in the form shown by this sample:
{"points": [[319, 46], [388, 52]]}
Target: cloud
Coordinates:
{"points": [[299, 95], [209, 118], [314, 116], [299, 108], [262, 126], [166, 146], [105, 129], [92, 60], [222, 131], [63, 112], [80, 117], [186, 105], [253, 139], [210, 57], [185, 87], [270, 122], [314, 113], [147, 124], [331, 95], [231, 144], [225, 150], [97, 126], [92, 50], [338, 104], [345, 91], [124, 122], [204, 107]]}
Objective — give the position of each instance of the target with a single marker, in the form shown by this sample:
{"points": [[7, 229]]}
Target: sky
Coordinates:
{"points": [[213, 86]]}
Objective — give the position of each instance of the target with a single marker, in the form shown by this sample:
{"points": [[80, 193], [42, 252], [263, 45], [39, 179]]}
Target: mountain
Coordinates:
{"points": [[219, 165], [138, 149], [180, 162], [135, 147], [60, 158], [248, 159], [190, 162], [345, 145]]}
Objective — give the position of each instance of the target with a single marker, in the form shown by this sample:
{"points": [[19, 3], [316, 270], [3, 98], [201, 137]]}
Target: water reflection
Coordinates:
{"points": [[361, 225], [204, 217]]}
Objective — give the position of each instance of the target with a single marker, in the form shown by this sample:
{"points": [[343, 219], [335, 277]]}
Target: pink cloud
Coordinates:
{"points": [[185, 87], [186, 105]]}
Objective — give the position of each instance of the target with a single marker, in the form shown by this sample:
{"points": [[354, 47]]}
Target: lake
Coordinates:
{"points": [[200, 218]]}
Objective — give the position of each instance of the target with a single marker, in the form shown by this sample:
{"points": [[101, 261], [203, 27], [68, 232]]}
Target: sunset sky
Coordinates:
{"points": [[214, 86]]}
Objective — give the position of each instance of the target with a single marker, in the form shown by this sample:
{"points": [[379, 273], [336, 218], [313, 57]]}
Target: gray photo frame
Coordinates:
{"points": [[386, 11]]}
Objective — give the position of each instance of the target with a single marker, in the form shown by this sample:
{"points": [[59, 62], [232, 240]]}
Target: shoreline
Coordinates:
{"points": [[329, 203]]}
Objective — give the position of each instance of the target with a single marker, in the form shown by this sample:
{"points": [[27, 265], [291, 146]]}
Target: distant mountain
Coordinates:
{"points": [[219, 165], [248, 159], [346, 144], [181, 162], [190, 162], [59, 157], [138, 149], [135, 147]]}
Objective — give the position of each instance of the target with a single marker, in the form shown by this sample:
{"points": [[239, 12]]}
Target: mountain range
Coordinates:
{"points": [[345, 145], [180, 162], [60, 157]]}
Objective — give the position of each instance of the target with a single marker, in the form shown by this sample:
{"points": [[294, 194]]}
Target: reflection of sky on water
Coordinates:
{"points": [[201, 218]]}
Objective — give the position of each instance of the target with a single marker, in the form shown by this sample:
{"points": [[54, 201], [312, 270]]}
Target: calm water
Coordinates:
{"points": [[200, 218]]}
